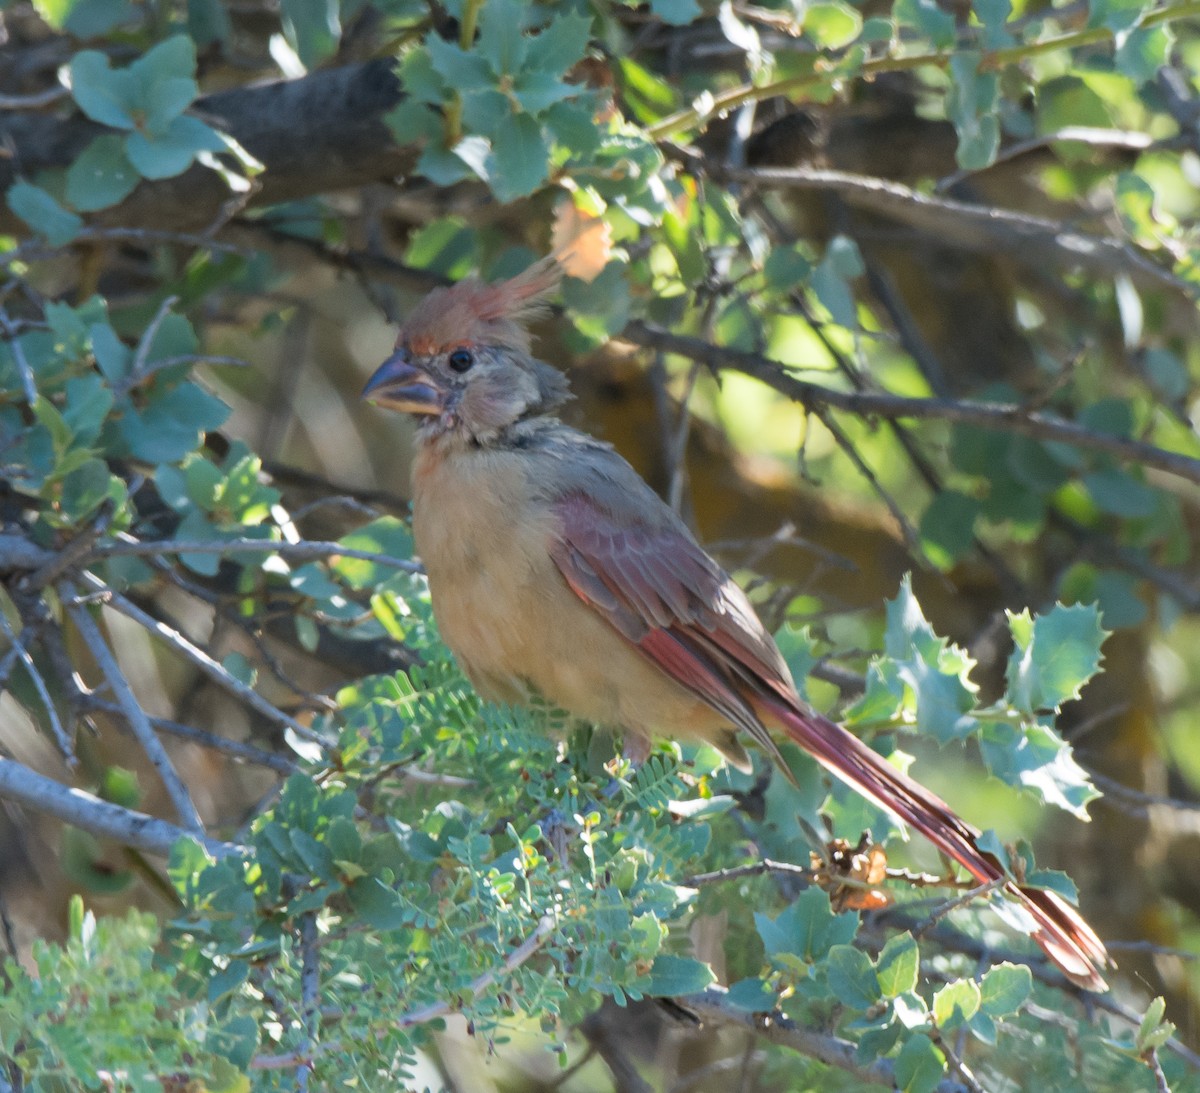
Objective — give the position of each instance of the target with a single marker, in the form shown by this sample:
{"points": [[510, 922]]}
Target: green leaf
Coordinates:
{"points": [[386, 535], [87, 404], [172, 151], [928, 18], [84, 489], [971, 105], [920, 1065], [104, 95], [559, 44], [1004, 989], [1035, 757], [993, 15], [831, 280], [955, 1003], [898, 965], [520, 158], [831, 25], [101, 176], [42, 213], [676, 12], [670, 976], [807, 929], [113, 357], [90, 19], [313, 28], [948, 527], [1055, 655], [751, 996], [852, 978], [502, 40], [937, 673], [1119, 493]]}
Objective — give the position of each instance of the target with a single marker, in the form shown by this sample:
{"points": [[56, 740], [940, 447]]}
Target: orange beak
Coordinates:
{"points": [[400, 385]]}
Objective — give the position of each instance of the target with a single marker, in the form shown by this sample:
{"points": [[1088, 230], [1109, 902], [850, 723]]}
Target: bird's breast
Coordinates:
{"points": [[484, 540]]}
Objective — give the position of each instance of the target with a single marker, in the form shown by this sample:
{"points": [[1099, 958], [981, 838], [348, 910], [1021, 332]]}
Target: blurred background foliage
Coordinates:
{"points": [[863, 290]]}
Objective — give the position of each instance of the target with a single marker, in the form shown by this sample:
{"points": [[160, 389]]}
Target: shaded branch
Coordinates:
{"points": [[75, 806], [1002, 417], [776, 1028], [1031, 239], [132, 710], [321, 133]]}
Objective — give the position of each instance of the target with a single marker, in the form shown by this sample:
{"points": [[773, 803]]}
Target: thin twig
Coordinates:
{"points": [[137, 718], [144, 344], [73, 553], [306, 550], [423, 1014], [943, 909], [310, 990], [211, 668], [1002, 417], [61, 737], [84, 810], [28, 385], [235, 748], [38, 100]]}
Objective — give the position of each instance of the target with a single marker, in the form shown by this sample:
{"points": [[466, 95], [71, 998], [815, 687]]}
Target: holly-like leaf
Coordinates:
{"points": [[937, 673], [1055, 655], [520, 158], [955, 1003], [1033, 756]]}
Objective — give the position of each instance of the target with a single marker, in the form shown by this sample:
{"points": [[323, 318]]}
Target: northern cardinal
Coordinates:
{"points": [[555, 571]]}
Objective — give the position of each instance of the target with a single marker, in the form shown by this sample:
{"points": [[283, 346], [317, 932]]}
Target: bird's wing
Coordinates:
{"points": [[667, 597], [660, 590]]}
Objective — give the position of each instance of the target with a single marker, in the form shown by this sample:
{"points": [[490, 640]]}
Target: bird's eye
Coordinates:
{"points": [[461, 359]]}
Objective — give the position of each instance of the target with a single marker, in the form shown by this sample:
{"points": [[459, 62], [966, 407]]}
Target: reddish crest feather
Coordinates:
{"points": [[472, 312]]}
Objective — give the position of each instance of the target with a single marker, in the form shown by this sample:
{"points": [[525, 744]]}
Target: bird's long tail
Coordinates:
{"points": [[1058, 928]]}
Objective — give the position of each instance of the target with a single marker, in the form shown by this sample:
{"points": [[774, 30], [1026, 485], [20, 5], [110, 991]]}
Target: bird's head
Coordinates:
{"points": [[462, 361]]}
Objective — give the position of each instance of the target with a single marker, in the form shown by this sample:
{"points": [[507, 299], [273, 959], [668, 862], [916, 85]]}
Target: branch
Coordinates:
{"points": [[514, 960], [211, 668], [75, 806], [321, 133], [1003, 417], [306, 550], [138, 721], [1028, 238], [776, 1028]]}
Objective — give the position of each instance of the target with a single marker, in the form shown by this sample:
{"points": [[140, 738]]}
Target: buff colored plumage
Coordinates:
{"points": [[556, 572]]}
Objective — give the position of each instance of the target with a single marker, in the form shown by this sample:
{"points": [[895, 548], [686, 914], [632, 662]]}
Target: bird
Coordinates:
{"points": [[556, 574]]}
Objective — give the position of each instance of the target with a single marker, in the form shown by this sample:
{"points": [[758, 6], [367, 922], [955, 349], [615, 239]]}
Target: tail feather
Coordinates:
{"points": [[1058, 928]]}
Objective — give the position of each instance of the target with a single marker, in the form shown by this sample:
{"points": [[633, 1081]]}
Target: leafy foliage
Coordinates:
{"points": [[423, 855]]}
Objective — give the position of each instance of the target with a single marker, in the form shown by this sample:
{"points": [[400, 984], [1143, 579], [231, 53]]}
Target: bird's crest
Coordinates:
{"points": [[474, 312]]}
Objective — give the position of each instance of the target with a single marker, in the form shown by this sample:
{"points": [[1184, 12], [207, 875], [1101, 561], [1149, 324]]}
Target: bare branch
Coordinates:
{"points": [[1029, 238], [75, 806], [137, 718], [61, 737], [234, 748], [211, 668], [305, 550], [1002, 417]]}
